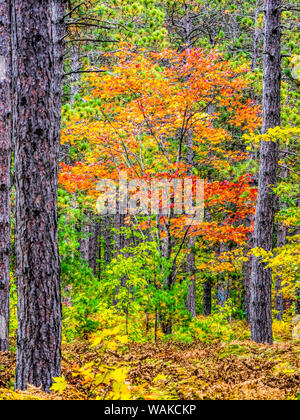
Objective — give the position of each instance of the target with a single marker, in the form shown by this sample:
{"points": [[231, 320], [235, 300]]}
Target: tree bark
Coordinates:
{"points": [[207, 298], [37, 77], [5, 163], [260, 305]]}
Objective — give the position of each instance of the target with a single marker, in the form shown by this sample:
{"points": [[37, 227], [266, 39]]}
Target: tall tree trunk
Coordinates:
{"points": [[107, 239], [191, 263], [221, 285], [207, 298], [94, 246], [5, 160], [260, 306], [85, 239], [191, 297], [37, 76], [256, 36]]}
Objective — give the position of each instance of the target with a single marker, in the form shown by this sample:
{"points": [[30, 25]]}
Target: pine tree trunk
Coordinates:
{"points": [[260, 306], [37, 76], [5, 159]]}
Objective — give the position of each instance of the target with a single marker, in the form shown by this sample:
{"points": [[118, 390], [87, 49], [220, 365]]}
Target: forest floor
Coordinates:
{"points": [[169, 371]]}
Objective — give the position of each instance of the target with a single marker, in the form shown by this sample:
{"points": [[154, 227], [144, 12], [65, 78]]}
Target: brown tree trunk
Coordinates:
{"points": [[37, 76], [260, 305], [5, 160]]}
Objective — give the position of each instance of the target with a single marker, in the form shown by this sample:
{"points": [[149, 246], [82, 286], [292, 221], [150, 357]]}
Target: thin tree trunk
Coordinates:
{"points": [[297, 301], [5, 161], [247, 268], [260, 306], [94, 246], [191, 298], [107, 239], [37, 76], [221, 285], [207, 298], [191, 263], [279, 304], [85, 239], [75, 66], [279, 301], [256, 36]]}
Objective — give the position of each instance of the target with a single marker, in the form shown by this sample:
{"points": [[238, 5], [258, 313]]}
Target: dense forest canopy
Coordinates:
{"points": [[149, 199]]}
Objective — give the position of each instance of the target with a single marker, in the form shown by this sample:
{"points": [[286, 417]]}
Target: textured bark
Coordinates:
{"points": [[206, 298], [5, 160], [260, 305], [37, 77]]}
